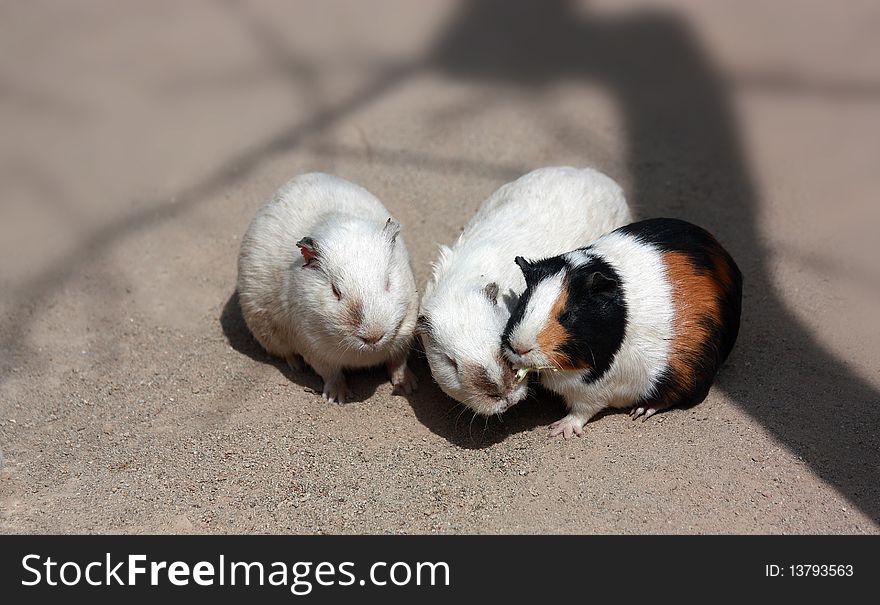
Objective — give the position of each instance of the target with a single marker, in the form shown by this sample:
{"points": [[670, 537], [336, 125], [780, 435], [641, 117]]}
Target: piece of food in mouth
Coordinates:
{"points": [[523, 372]]}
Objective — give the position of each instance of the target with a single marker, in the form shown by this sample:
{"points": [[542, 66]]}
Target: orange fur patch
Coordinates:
{"points": [[696, 296], [723, 270], [553, 335]]}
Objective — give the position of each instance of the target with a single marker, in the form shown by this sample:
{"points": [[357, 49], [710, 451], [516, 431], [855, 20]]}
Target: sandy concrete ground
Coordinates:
{"points": [[140, 137]]}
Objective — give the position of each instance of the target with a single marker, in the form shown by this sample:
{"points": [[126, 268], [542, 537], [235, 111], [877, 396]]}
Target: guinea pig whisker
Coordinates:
{"points": [[470, 398], [593, 355], [457, 418], [452, 409], [471, 426], [341, 355], [473, 398]]}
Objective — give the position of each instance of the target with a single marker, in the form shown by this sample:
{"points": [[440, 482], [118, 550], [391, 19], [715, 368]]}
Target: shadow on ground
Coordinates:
{"points": [[363, 383], [459, 425], [432, 407], [685, 160]]}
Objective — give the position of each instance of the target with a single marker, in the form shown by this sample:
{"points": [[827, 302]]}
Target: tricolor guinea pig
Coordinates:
{"points": [[324, 277], [642, 317]]}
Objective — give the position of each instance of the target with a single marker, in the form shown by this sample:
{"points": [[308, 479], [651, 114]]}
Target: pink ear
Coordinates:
{"points": [[309, 251]]}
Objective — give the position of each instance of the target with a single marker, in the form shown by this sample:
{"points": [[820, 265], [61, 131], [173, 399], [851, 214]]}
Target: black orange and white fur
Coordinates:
{"points": [[643, 318]]}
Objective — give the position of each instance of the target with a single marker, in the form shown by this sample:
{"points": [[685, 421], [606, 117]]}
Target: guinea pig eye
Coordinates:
{"points": [[564, 317], [335, 291]]}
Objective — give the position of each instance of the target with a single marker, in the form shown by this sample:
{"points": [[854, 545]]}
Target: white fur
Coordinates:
{"points": [[544, 213], [292, 310], [524, 336], [644, 352]]}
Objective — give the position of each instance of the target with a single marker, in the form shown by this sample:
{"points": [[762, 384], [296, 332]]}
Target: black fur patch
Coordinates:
{"points": [[675, 235], [594, 316], [534, 272], [668, 392]]}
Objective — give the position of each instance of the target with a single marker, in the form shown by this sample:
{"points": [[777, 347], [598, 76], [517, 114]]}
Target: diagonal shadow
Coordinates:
{"points": [[782, 83], [420, 161], [685, 159], [302, 76], [36, 290]]}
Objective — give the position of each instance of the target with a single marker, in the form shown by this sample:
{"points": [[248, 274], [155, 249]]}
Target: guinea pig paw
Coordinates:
{"points": [[568, 427], [336, 391], [403, 381], [644, 411]]}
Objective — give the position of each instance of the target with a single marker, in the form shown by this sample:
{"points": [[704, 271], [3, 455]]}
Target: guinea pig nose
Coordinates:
{"points": [[372, 338], [523, 350]]}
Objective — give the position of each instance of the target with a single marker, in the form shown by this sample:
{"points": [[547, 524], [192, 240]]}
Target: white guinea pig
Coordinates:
{"points": [[475, 284], [324, 276]]}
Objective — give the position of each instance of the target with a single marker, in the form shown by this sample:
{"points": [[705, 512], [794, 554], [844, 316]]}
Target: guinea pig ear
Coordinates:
{"points": [[525, 266], [599, 283], [309, 251], [490, 291], [423, 325], [391, 230]]}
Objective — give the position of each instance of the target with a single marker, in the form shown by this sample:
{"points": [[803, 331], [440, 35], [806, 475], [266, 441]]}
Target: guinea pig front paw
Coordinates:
{"points": [[646, 411], [336, 390], [403, 381], [573, 424]]}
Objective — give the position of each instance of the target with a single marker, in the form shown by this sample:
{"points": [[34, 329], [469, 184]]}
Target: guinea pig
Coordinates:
{"points": [[474, 284], [642, 317], [324, 277]]}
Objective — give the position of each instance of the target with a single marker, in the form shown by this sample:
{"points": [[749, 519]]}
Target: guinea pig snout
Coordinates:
{"points": [[518, 346], [518, 352], [513, 397], [372, 336]]}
